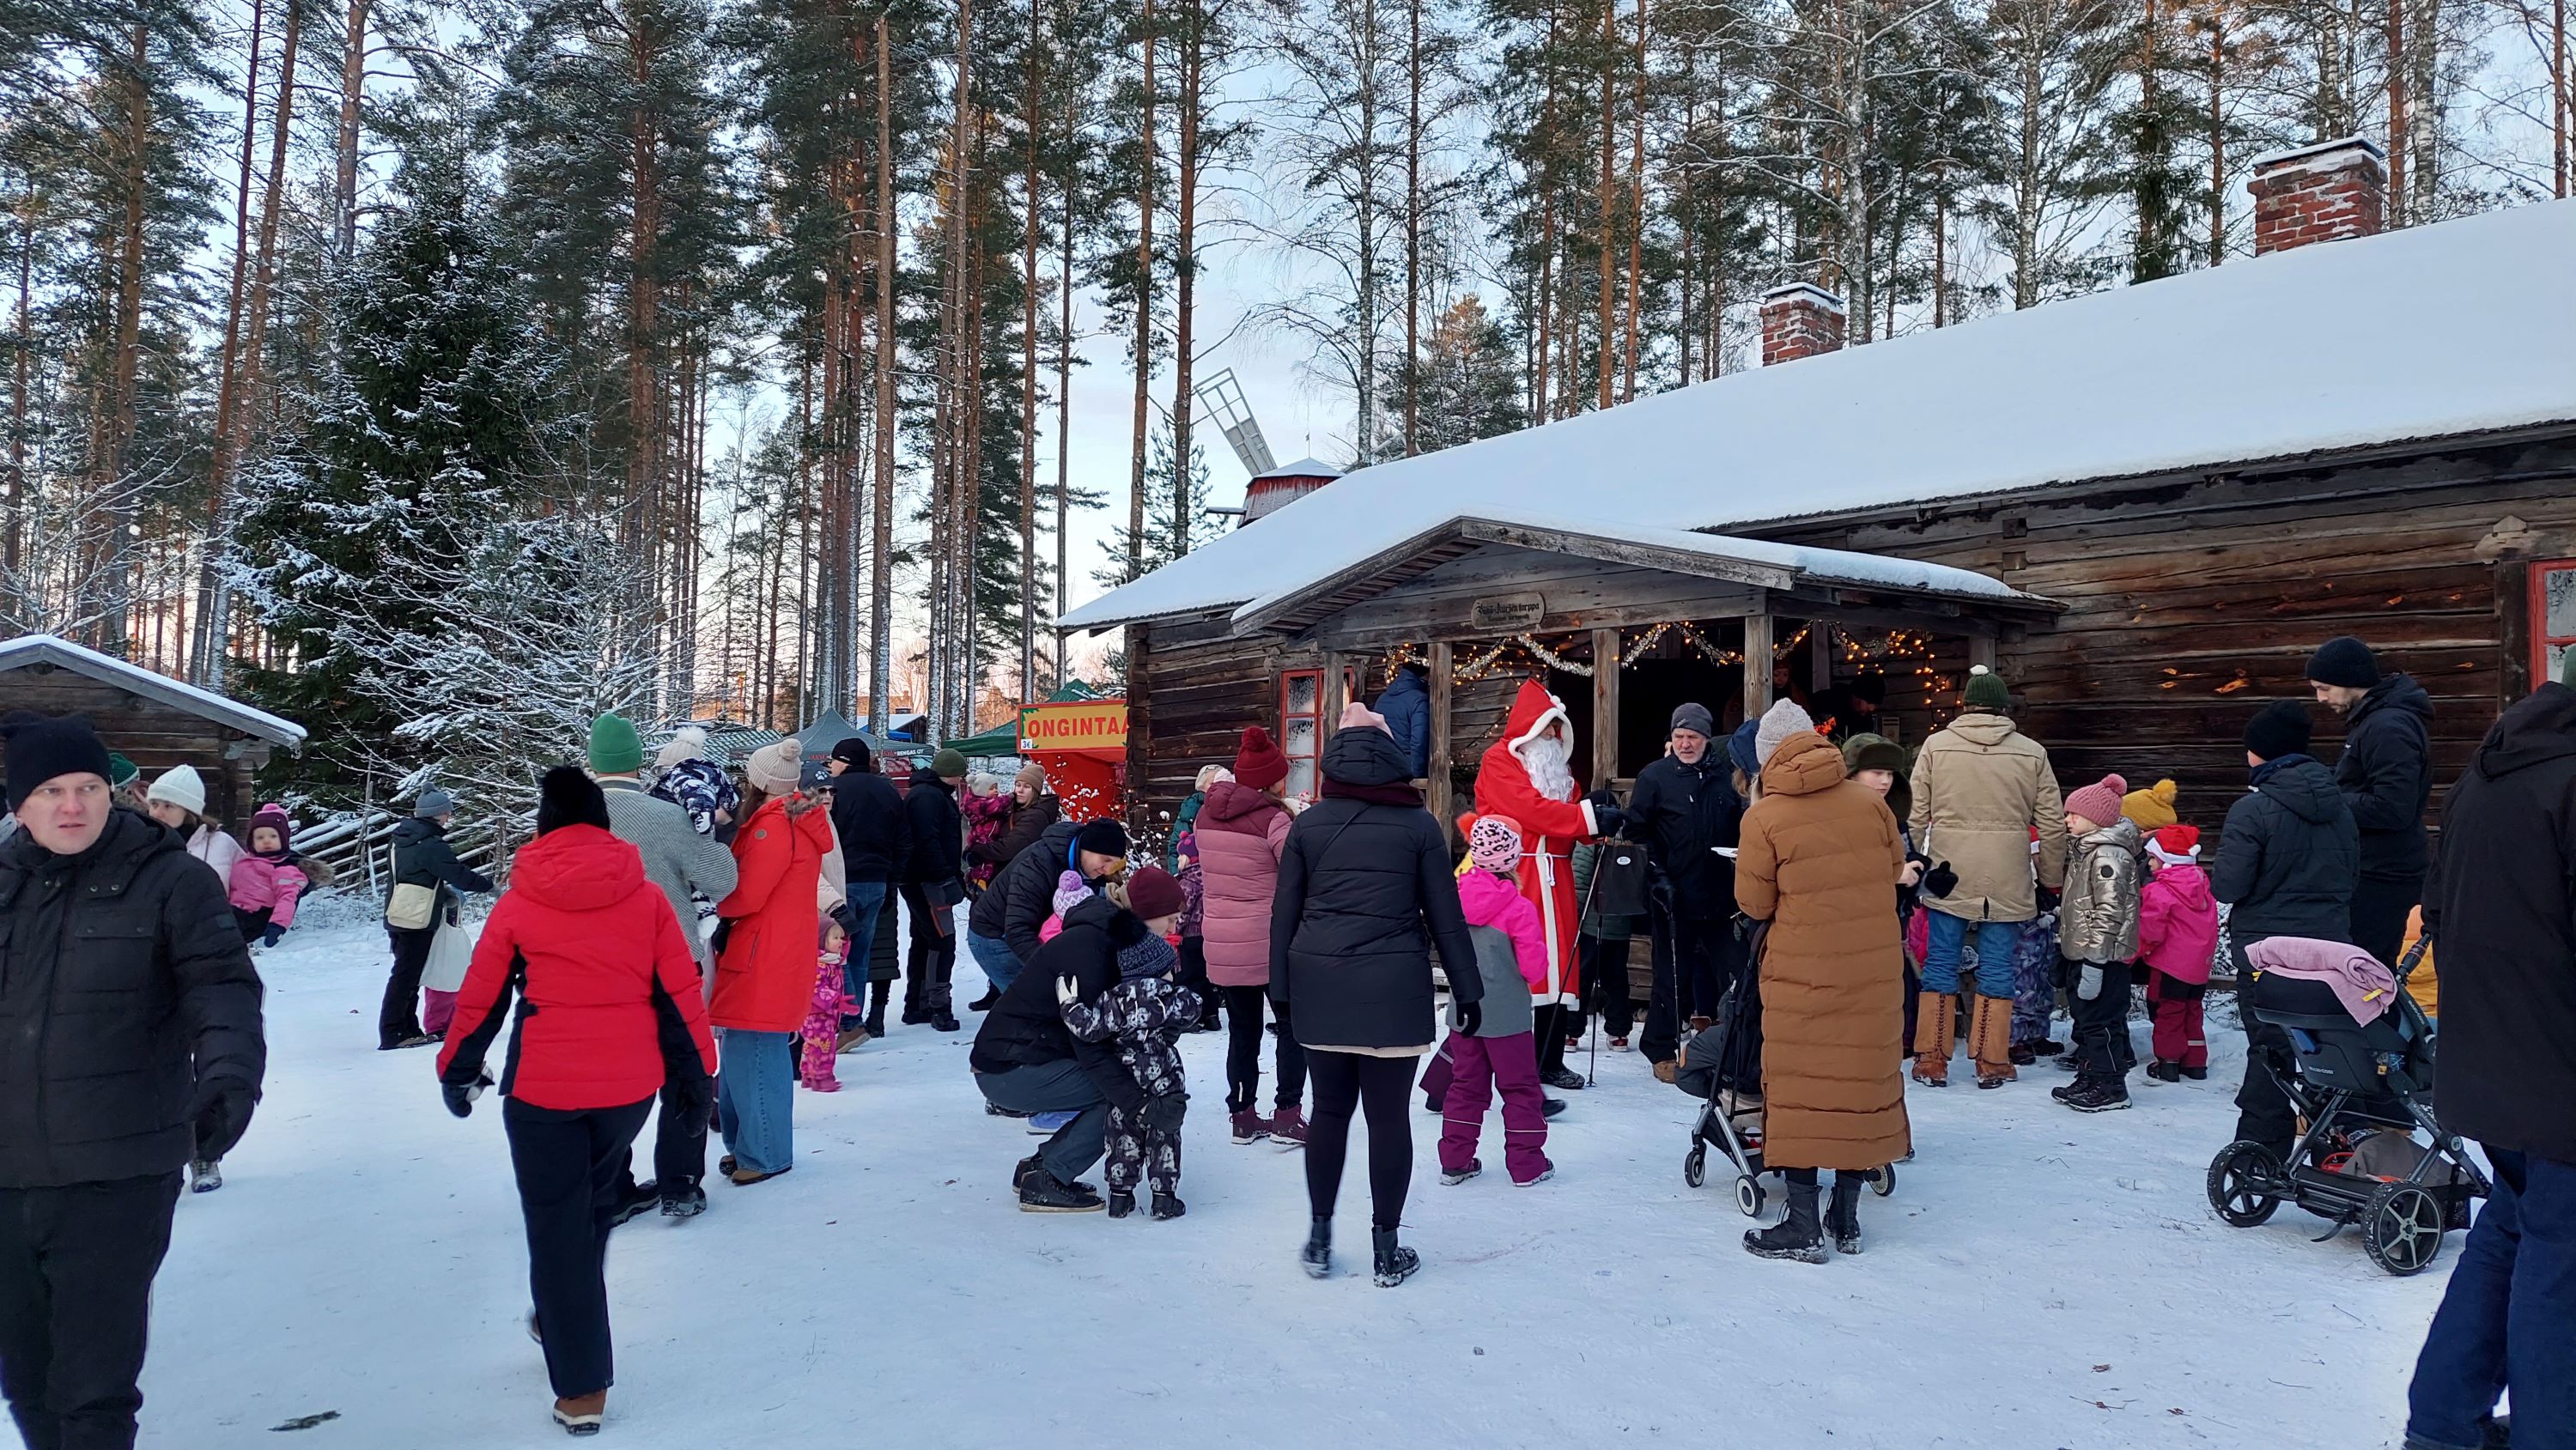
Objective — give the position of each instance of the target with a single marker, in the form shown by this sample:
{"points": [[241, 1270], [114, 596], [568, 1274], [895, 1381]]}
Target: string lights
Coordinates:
{"points": [[1526, 653]]}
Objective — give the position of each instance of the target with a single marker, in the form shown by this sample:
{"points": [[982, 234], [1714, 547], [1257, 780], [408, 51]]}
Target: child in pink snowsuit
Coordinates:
{"points": [[267, 879], [2177, 938], [823, 1019], [1070, 891], [1511, 956]]}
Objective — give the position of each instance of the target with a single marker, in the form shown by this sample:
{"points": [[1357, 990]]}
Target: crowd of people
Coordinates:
{"points": [[677, 937]]}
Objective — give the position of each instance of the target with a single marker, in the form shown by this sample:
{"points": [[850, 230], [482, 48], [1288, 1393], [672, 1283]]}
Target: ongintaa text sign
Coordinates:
{"points": [[1074, 725]]}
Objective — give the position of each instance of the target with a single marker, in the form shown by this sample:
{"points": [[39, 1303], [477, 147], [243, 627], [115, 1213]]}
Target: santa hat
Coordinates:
{"points": [[2175, 845], [2098, 802], [1494, 844]]}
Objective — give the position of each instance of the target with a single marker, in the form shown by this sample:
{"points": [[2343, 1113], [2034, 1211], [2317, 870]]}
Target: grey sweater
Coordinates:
{"points": [[676, 858]]}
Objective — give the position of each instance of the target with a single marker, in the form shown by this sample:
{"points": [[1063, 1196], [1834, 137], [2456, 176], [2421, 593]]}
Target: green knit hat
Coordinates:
{"points": [[614, 748], [1985, 690], [121, 771], [948, 764]]}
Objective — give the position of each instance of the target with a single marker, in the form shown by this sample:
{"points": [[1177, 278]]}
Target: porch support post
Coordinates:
{"points": [[1438, 791], [1605, 707], [1336, 695], [1757, 661], [1981, 650], [1820, 656]]}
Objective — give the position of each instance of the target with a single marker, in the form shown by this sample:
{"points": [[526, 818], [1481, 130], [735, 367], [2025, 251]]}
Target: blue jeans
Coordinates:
{"points": [[1994, 954], [1055, 1087], [756, 1099], [995, 956], [867, 899], [2508, 1317]]}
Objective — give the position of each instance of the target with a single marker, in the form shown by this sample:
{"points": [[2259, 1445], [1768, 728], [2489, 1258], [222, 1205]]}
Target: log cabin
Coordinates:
{"points": [[2145, 507], [153, 720]]}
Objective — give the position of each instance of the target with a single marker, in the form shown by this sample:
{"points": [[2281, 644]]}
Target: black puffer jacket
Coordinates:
{"points": [[868, 816], [123, 985], [937, 830], [1681, 813], [1026, 1027], [2502, 909], [1022, 897], [1365, 891], [2386, 772], [422, 857], [2288, 858]]}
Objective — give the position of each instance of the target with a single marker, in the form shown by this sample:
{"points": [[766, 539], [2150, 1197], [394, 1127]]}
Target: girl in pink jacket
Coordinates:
{"points": [[2177, 938], [268, 879], [1497, 1051]]}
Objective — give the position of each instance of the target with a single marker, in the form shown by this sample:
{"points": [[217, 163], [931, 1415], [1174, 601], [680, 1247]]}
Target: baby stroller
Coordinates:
{"points": [[1722, 1067], [2362, 1091]]}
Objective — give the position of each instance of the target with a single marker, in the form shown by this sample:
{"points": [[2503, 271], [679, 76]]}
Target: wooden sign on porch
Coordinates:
{"points": [[1506, 613]]}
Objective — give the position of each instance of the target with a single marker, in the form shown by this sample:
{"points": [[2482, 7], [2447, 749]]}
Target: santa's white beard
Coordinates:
{"points": [[1545, 759]]}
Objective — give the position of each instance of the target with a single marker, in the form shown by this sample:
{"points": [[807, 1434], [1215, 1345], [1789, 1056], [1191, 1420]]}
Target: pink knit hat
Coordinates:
{"points": [[2098, 802], [1070, 891], [1356, 713], [1494, 844]]}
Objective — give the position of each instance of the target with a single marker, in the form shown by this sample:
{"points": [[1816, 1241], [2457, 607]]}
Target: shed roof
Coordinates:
{"points": [[1307, 467], [2433, 332], [50, 649]]}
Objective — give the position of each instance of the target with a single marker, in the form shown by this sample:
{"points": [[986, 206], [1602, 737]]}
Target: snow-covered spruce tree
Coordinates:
{"points": [[449, 608]]}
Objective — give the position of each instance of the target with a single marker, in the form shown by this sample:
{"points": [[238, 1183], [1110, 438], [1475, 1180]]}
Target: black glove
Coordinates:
{"points": [[460, 1096], [1940, 881], [1163, 1112], [220, 1112], [695, 1098], [1471, 1015], [2049, 897], [1609, 819], [272, 936]]}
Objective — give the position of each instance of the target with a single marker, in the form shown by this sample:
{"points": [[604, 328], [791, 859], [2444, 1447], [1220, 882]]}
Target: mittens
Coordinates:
{"points": [[2088, 984]]}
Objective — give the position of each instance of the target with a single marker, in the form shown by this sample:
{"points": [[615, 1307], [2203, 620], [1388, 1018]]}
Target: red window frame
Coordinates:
{"points": [[1304, 784], [2542, 641]]}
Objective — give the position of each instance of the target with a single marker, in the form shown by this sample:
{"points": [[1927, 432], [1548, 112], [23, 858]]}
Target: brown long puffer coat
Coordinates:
{"points": [[1819, 861]]}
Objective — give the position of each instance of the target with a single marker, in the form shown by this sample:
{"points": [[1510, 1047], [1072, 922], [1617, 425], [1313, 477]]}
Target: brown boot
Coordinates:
{"points": [[1935, 1024], [583, 1414], [1990, 1041]]}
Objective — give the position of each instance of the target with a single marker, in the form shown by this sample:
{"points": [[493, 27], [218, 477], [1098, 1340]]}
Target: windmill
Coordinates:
{"points": [[1222, 398]]}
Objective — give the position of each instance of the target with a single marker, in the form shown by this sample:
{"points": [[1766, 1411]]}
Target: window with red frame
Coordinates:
{"points": [[2553, 617], [1302, 727]]}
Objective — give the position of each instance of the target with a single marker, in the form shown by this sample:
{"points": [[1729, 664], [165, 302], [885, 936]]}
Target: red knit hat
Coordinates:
{"points": [[1152, 892], [1257, 762]]}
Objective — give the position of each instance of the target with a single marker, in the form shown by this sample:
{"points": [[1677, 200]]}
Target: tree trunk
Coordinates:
{"points": [[2217, 132], [1064, 403], [228, 379], [1604, 188], [353, 81], [881, 530], [645, 484], [1636, 211], [1412, 223], [1546, 226], [1144, 312], [1033, 115], [1185, 266], [2396, 114], [115, 558]]}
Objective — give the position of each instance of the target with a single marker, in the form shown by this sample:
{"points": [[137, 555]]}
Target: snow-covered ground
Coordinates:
{"points": [[2040, 1279]]}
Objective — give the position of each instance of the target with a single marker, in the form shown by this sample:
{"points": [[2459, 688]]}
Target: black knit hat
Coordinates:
{"points": [[2278, 729], [2346, 661], [1102, 838], [852, 752], [41, 749], [567, 797]]}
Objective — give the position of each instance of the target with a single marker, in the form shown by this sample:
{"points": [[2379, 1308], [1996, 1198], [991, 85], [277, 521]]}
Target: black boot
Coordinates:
{"points": [[1025, 1167], [1168, 1205], [1122, 1202], [1842, 1216], [943, 1016], [985, 1002], [1395, 1262], [877, 996], [1797, 1237], [1317, 1256]]}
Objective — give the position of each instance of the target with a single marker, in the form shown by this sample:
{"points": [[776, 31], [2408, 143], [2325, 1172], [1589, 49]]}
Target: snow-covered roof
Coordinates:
{"points": [[50, 649], [1306, 467], [2437, 331]]}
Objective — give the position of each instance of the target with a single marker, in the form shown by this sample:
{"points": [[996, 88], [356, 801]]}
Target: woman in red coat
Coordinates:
{"points": [[610, 1008], [765, 974]]}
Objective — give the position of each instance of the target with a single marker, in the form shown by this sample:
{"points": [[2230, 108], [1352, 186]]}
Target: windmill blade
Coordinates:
{"points": [[1221, 398]]}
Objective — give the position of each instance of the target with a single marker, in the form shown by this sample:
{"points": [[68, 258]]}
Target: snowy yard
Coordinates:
{"points": [[2039, 1280]]}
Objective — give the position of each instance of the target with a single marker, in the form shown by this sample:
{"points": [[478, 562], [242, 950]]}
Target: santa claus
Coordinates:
{"points": [[1528, 775]]}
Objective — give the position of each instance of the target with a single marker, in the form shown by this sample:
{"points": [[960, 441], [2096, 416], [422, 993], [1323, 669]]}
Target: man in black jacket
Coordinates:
{"points": [[131, 1019], [1027, 1061], [868, 817], [1683, 809], [1007, 916], [934, 881], [2285, 866], [2386, 773], [421, 857]]}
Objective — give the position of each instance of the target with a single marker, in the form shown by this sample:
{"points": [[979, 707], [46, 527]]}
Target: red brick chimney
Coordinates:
{"points": [[2321, 193], [1800, 320]]}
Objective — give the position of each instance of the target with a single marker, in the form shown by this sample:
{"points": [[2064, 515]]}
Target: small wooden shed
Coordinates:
{"points": [[157, 722]]}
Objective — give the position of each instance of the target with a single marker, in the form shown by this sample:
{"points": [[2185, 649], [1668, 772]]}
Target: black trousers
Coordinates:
{"points": [[1243, 1008], [1346, 1082], [569, 1164], [2263, 1111], [1549, 1022], [1694, 962], [2102, 1052], [931, 959], [2379, 908], [1193, 975], [399, 1018], [1605, 983], [76, 1267]]}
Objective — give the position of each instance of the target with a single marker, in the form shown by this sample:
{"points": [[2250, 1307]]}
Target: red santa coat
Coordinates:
{"points": [[1549, 828]]}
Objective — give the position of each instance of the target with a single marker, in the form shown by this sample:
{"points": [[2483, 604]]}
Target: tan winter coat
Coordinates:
{"points": [[1819, 860], [2098, 920], [1980, 786]]}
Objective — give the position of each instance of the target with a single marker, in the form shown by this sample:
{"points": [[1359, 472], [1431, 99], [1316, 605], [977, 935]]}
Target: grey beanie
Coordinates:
{"points": [[433, 802], [1694, 718], [1782, 720]]}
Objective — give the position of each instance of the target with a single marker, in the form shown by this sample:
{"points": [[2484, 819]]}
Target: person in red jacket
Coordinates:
{"points": [[765, 974], [609, 997]]}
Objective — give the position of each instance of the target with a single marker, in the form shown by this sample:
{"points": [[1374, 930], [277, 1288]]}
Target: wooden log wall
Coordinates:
{"points": [[152, 735], [1190, 693]]}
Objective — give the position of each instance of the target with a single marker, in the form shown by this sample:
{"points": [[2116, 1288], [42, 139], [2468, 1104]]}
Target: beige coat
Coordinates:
{"points": [[1980, 786]]}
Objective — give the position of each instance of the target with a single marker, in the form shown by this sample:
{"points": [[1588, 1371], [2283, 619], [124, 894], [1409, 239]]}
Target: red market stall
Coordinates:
{"points": [[1082, 745]]}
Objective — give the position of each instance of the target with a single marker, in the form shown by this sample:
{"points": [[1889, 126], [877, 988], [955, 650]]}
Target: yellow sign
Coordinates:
{"points": [[1074, 725]]}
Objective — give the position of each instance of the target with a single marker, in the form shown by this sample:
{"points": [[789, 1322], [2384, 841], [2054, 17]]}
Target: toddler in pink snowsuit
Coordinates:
{"points": [[1070, 891], [1511, 956], [823, 1019]]}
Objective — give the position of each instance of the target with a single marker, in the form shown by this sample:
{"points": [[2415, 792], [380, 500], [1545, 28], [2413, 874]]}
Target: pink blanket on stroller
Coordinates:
{"points": [[2360, 982]]}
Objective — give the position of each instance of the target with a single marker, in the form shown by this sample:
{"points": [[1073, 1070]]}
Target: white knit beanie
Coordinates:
{"points": [[774, 768], [180, 786], [1784, 719], [690, 743]]}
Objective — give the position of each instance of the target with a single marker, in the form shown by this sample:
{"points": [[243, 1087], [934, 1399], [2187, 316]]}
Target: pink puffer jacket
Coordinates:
{"points": [[1241, 832], [268, 883]]}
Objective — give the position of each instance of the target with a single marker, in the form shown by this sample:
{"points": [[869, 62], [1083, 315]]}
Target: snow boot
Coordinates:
{"points": [[1043, 1192], [1288, 1128], [2092, 1095], [1798, 1236], [1935, 1024], [2166, 1072], [1122, 1202], [1452, 1177], [1249, 1126], [1535, 1179], [688, 1202], [877, 995], [641, 1199], [2046, 1048], [1021, 1170], [850, 1041], [1168, 1206], [914, 1014], [205, 1176], [1395, 1262], [2196, 1074], [2070, 1063], [2022, 1056], [582, 1414], [1667, 1070], [1842, 1216], [985, 1002], [1990, 1041], [1562, 1077], [1549, 1107], [1317, 1256], [943, 1020]]}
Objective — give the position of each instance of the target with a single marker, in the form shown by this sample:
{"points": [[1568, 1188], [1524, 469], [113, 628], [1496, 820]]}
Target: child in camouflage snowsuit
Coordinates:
{"points": [[2034, 989], [1146, 1013]]}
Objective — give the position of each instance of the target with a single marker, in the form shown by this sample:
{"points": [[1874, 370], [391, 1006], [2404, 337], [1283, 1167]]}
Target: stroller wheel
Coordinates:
{"points": [[1882, 1181], [2245, 1183], [1748, 1195], [1695, 1166], [2401, 1228]]}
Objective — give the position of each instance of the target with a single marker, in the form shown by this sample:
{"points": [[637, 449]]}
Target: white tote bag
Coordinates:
{"points": [[449, 953]]}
